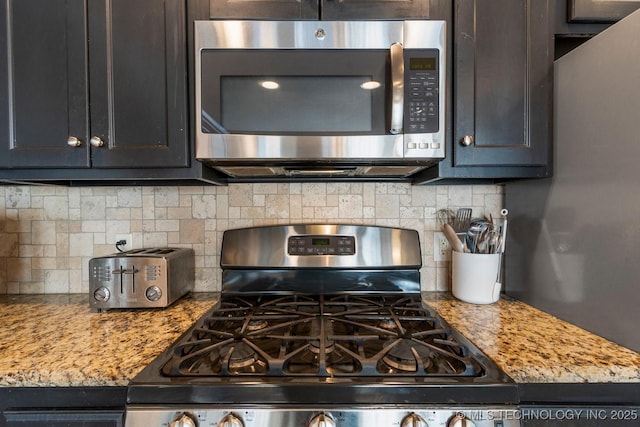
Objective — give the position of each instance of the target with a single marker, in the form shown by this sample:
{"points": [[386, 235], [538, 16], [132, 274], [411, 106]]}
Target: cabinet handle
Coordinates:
{"points": [[96, 141], [74, 142], [467, 140]]}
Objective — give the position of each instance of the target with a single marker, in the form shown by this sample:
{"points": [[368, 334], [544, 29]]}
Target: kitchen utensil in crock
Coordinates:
{"points": [[462, 220], [452, 238], [476, 233]]}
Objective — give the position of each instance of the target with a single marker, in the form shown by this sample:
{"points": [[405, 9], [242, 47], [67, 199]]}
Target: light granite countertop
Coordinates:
{"points": [[532, 346], [55, 340]]}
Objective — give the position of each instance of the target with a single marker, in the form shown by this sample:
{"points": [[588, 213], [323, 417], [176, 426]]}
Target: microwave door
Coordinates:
{"points": [[264, 97]]}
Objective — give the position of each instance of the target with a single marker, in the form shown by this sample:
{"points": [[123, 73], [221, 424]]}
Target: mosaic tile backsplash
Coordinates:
{"points": [[49, 233]]}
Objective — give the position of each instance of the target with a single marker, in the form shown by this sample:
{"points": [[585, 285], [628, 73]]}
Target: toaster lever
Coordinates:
{"points": [[121, 270]]}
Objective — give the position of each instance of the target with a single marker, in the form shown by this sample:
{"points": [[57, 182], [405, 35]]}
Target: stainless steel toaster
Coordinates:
{"points": [[140, 278]]}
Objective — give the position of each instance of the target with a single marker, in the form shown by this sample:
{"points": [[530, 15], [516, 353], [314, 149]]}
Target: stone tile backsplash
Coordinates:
{"points": [[49, 233]]}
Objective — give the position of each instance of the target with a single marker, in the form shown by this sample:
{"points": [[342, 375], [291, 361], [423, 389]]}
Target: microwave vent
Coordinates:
{"points": [[393, 170], [249, 171], [320, 171]]}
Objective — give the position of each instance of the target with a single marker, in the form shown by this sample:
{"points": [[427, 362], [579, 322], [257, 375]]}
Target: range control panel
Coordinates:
{"points": [[438, 415], [321, 245]]}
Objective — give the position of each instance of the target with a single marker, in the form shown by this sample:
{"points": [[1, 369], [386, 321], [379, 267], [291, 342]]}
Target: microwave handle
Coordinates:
{"points": [[397, 88]]}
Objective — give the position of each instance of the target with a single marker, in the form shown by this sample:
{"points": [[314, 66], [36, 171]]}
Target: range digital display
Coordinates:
{"points": [[321, 245], [422, 64]]}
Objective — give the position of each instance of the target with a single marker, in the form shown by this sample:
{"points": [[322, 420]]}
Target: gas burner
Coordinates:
{"points": [[403, 357], [321, 330], [256, 325], [239, 357], [388, 324], [314, 347]]}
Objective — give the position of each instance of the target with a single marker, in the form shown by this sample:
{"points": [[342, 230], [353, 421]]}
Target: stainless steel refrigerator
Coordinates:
{"points": [[574, 239]]}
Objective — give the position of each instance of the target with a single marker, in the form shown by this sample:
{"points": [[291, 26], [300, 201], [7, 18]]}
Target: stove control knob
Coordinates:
{"points": [[183, 420], [322, 420], [413, 420], [230, 420], [459, 420]]}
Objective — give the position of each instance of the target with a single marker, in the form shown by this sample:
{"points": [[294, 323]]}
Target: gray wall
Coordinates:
{"points": [[574, 239]]}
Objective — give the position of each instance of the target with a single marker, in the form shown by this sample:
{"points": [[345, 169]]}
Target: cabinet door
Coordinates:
{"points": [[138, 83], [43, 86], [600, 11], [502, 97], [374, 9], [321, 9], [265, 9]]}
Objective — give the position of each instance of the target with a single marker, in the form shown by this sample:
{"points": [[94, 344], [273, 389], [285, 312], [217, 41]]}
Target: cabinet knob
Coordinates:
{"points": [[74, 142], [96, 141], [467, 140]]}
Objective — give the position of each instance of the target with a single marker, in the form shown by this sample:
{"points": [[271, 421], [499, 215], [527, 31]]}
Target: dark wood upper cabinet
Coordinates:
{"points": [[98, 83], [599, 10], [500, 82], [323, 9], [43, 83], [502, 67], [138, 83], [372, 9], [265, 9]]}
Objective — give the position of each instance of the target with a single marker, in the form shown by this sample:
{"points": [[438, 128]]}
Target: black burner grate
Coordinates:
{"points": [[320, 336]]}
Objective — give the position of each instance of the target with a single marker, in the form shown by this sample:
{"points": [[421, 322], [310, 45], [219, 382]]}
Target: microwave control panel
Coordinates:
{"points": [[321, 245], [422, 91]]}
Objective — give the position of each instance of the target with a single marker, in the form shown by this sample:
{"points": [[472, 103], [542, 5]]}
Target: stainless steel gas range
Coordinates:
{"points": [[321, 325]]}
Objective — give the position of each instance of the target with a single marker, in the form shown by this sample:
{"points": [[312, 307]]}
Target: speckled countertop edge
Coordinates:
{"points": [[532, 346], [55, 340]]}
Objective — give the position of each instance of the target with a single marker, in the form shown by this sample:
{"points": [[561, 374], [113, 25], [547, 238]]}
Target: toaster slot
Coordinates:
{"points": [[127, 274]]}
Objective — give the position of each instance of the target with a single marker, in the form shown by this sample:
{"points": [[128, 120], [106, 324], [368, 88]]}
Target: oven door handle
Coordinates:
{"points": [[397, 88]]}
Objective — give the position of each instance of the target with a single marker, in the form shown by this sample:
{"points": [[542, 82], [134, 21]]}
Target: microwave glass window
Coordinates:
{"points": [[295, 92], [297, 104]]}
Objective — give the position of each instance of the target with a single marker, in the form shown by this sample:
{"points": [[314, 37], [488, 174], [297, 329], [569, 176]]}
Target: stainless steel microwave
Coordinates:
{"points": [[320, 98]]}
